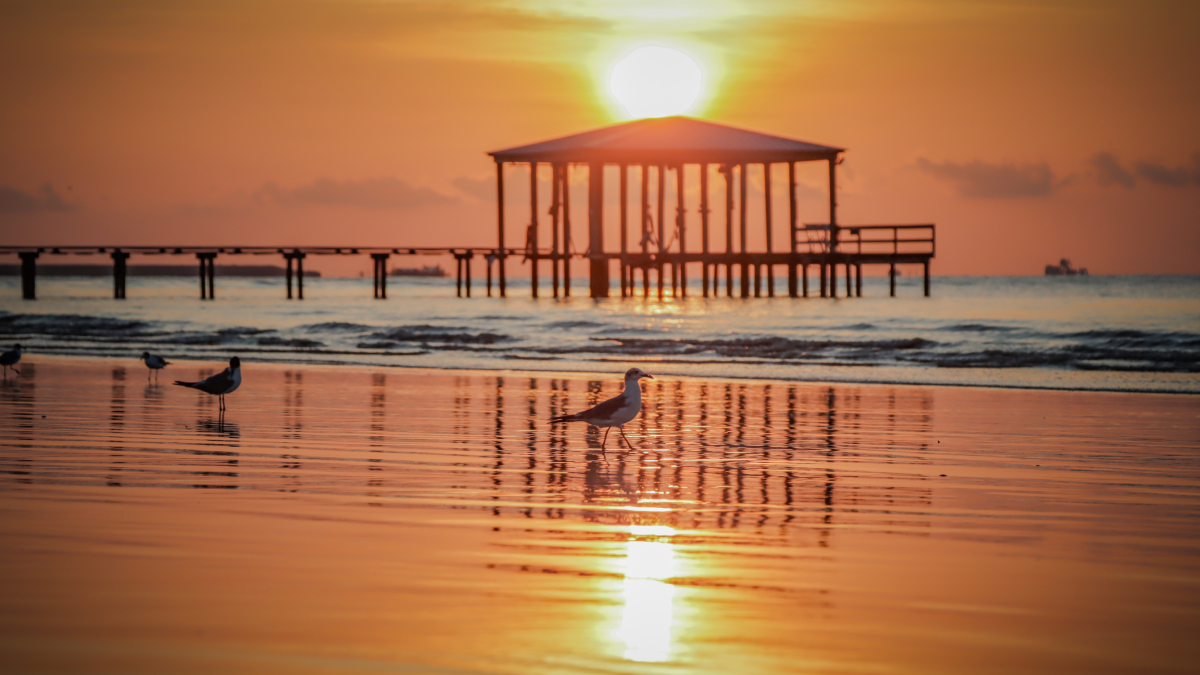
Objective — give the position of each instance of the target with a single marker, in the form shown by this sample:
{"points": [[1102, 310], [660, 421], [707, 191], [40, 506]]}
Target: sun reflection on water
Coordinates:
{"points": [[649, 601]]}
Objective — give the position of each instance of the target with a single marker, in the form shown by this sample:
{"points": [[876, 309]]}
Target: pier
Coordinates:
{"points": [[658, 152], [654, 153]]}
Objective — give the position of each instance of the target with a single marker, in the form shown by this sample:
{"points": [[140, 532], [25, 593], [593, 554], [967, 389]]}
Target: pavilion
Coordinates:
{"points": [[661, 145]]}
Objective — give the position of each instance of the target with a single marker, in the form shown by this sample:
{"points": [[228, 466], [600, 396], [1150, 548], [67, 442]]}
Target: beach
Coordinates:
{"points": [[359, 518]]}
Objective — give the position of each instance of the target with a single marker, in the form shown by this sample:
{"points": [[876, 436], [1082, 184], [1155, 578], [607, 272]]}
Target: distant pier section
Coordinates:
{"points": [[657, 239]]}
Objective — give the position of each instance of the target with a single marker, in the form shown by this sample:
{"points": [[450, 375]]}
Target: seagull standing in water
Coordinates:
{"points": [[225, 382], [154, 363], [615, 412], [9, 359]]}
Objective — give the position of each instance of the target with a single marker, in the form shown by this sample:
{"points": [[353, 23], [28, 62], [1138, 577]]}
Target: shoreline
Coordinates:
{"points": [[616, 374]]}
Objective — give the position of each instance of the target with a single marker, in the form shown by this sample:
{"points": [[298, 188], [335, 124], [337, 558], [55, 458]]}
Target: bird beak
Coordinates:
{"points": [[649, 376]]}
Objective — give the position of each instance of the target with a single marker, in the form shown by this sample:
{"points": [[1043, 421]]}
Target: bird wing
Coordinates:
{"points": [[603, 410], [217, 384]]}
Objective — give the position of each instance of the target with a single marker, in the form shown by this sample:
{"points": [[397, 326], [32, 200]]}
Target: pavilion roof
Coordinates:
{"points": [[668, 140]]}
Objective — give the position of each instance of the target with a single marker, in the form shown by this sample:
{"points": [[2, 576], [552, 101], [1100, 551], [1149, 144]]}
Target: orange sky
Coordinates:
{"points": [[1028, 131]]}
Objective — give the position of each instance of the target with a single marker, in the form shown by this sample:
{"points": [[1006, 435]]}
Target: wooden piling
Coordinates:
{"points": [[566, 229], [892, 280], [119, 270], [681, 227], [927, 278], [598, 274], [29, 274], [555, 205], [792, 229], [380, 260], [742, 230], [531, 241], [704, 225], [858, 280], [770, 234], [625, 290], [500, 225]]}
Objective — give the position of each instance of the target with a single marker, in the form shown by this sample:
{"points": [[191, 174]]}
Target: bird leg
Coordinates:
{"points": [[622, 430], [605, 441]]}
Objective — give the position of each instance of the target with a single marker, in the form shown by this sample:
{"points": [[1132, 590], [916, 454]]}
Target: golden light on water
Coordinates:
{"points": [[656, 81], [649, 601]]}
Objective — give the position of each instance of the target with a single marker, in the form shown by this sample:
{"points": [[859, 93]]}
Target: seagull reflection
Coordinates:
{"points": [[649, 599], [219, 427]]}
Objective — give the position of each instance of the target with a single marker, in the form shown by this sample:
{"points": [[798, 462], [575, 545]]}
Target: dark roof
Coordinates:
{"points": [[668, 140]]}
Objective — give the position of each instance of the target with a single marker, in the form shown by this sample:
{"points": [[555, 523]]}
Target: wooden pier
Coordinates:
{"points": [[652, 151], [294, 258]]}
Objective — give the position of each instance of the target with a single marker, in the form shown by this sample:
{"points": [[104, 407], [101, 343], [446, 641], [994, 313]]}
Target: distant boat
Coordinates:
{"points": [[1064, 269], [426, 271]]}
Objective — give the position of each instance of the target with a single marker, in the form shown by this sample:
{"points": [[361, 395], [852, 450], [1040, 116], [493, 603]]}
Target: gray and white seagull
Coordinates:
{"points": [[616, 411], [225, 382], [154, 362], [9, 359]]}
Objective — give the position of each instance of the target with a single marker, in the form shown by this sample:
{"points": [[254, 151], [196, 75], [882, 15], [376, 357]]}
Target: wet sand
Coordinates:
{"points": [[350, 520]]}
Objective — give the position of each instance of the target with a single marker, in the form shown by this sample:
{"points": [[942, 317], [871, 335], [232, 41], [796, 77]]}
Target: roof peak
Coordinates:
{"points": [[671, 139]]}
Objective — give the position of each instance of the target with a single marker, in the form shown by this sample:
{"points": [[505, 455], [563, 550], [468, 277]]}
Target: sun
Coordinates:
{"points": [[656, 82]]}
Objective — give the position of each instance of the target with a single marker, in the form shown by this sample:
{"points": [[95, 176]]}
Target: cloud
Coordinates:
{"points": [[369, 193], [993, 181], [1163, 175], [13, 200], [483, 189], [1109, 171]]}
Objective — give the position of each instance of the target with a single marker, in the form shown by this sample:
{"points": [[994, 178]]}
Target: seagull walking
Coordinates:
{"points": [[9, 359], [225, 382], [616, 411], [153, 363]]}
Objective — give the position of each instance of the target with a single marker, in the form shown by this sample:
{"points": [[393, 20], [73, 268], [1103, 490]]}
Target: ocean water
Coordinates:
{"points": [[1105, 333]]}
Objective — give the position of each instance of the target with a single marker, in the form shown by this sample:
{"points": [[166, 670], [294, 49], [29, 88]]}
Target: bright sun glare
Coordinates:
{"points": [[656, 82]]}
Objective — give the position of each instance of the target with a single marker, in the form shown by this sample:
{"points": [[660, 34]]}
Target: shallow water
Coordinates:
{"points": [[1096, 333], [354, 520]]}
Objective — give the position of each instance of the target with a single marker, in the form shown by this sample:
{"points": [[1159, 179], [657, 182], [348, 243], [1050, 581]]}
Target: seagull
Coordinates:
{"points": [[9, 359], [616, 411], [225, 382], [154, 363]]}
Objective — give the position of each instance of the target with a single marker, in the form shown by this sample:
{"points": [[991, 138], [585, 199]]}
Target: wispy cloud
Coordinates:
{"points": [[1109, 170], [993, 181], [1159, 174], [369, 193], [14, 200], [483, 189]]}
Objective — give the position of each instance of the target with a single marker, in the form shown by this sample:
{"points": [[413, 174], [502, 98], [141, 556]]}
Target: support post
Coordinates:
{"points": [[566, 225], [833, 226], [804, 277], [299, 274], [824, 276], [645, 229], [29, 274], [849, 273], [661, 177], [742, 230], [770, 228], [555, 204], [599, 265], [207, 272], [681, 226], [119, 258], [892, 280], [288, 274], [380, 275], [625, 290], [704, 225], [727, 172], [927, 278], [792, 231], [467, 271], [833, 279], [858, 280], [458, 275], [500, 225], [531, 241]]}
